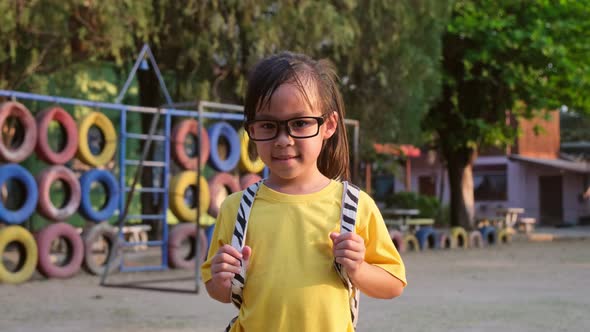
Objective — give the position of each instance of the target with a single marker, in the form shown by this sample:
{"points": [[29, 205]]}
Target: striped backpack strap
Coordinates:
{"points": [[239, 240], [350, 199]]}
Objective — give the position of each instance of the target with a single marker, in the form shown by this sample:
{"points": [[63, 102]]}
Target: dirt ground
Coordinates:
{"points": [[524, 286]]}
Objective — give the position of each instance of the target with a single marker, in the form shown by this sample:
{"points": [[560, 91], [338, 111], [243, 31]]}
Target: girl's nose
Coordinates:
{"points": [[283, 137]]}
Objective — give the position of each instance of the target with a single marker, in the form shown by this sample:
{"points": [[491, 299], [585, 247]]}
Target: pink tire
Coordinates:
{"points": [[179, 134], [26, 147], [218, 184], [178, 257], [475, 239], [43, 150], [44, 180], [248, 180], [444, 240], [398, 240], [74, 250]]}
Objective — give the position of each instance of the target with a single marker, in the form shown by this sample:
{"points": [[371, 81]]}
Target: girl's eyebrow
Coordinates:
{"points": [[266, 116]]}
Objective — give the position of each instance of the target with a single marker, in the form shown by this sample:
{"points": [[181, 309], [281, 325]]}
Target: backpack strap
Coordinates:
{"points": [[239, 240], [350, 199]]}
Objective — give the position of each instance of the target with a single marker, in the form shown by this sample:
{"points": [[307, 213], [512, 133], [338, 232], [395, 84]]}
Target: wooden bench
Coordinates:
{"points": [[137, 234], [526, 225], [405, 225]]}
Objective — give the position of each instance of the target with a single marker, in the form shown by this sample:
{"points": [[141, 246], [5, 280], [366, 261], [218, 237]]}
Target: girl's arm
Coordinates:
{"points": [[376, 282], [349, 250]]}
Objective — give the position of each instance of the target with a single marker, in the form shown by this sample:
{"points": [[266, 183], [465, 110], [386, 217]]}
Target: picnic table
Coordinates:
{"points": [[402, 219], [509, 215]]}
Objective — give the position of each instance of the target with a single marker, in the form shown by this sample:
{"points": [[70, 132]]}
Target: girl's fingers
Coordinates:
{"points": [[223, 267], [223, 275], [350, 254]]}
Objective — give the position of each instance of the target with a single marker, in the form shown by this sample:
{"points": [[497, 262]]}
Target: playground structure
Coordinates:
{"points": [[215, 139]]}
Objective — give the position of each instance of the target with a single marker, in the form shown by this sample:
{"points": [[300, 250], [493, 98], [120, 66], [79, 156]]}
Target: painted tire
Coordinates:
{"points": [[246, 163], [426, 238], [220, 186], [43, 150], [178, 186], [112, 195], [74, 244], [179, 135], [398, 240], [20, 112], [216, 131], [505, 236], [475, 240], [44, 180], [28, 254], [488, 234], [411, 243], [459, 237], [20, 174], [179, 258], [92, 238], [249, 179], [444, 240], [108, 131]]}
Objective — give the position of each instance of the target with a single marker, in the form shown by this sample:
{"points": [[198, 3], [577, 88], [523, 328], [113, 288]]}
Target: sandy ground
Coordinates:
{"points": [[524, 286]]}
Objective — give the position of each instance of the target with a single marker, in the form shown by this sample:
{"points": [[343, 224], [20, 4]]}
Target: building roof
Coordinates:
{"points": [[566, 165], [406, 150]]}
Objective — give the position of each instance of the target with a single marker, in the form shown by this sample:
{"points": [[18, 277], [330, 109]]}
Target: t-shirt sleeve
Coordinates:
{"points": [[222, 233], [380, 250]]}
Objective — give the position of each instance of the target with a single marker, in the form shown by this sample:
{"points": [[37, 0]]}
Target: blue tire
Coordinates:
{"points": [[426, 238], [216, 131], [112, 195], [489, 235], [20, 174]]}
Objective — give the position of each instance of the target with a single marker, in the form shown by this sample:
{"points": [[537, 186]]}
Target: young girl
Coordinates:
{"points": [[295, 116]]}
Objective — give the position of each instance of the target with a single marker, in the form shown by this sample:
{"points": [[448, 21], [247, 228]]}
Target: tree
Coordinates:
{"points": [[498, 56]]}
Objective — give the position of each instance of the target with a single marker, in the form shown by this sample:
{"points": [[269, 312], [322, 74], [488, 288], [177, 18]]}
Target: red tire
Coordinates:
{"points": [[179, 135], [44, 180], [74, 250], [178, 256], [26, 147], [43, 149], [220, 185], [398, 240], [248, 180]]}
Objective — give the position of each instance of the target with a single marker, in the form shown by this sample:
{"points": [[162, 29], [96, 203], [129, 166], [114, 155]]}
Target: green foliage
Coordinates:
{"points": [[509, 55], [427, 205]]}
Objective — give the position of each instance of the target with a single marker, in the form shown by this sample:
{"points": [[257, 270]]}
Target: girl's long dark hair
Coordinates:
{"points": [[303, 71]]}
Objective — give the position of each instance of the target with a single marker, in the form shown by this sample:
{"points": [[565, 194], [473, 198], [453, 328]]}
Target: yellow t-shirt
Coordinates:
{"points": [[291, 283]]}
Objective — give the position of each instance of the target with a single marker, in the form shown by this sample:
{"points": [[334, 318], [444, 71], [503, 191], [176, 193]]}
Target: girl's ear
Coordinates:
{"points": [[331, 124]]}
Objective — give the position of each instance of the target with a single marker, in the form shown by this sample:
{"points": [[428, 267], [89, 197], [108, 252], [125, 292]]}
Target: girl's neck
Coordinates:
{"points": [[296, 186]]}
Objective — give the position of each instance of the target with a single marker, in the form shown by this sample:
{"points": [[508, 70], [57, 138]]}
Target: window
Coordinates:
{"points": [[490, 184]]}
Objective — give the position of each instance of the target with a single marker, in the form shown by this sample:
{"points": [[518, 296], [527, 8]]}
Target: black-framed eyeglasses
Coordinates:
{"points": [[300, 127]]}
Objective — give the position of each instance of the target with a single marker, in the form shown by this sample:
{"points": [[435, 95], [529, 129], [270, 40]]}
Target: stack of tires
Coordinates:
{"points": [[28, 134], [429, 238], [226, 151]]}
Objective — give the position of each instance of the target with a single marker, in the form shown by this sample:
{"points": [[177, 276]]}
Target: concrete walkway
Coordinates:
{"points": [[557, 234]]}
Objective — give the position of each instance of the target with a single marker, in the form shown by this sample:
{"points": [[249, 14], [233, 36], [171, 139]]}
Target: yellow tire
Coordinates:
{"points": [[505, 236], [246, 163], [459, 238], [178, 187], [411, 242], [110, 136], [28, 255]]}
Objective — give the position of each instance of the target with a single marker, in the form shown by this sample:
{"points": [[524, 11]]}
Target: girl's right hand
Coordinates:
{"points": [[226, 263]]}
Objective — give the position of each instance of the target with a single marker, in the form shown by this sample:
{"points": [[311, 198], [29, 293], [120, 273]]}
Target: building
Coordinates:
{"points": [[532, 174]]}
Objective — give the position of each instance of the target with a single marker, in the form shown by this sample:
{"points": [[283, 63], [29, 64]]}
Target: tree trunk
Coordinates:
{"points": [[459, 166], [149, 95]]}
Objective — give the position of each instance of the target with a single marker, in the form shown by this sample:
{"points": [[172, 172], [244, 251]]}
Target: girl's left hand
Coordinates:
{"points": [[349, 250]]}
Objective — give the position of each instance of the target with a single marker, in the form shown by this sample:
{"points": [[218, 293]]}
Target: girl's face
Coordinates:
{"points": [[294, 160]]}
